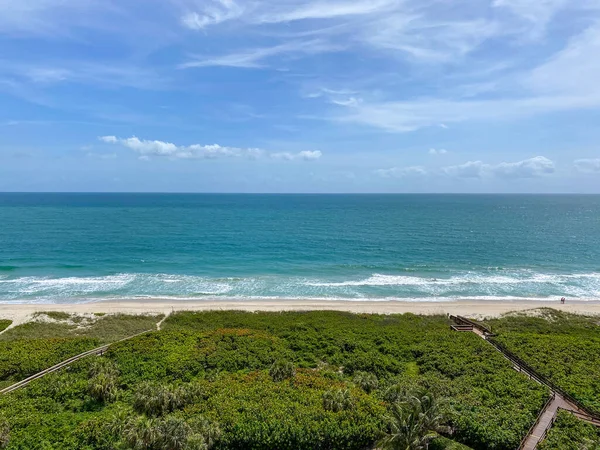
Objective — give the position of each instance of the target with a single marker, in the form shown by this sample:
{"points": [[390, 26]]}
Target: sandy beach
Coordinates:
{"points": [[20, 313]]}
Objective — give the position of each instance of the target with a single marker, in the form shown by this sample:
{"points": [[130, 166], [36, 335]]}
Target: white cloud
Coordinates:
{"points": [[41, 17], [324, 10], [425, 38], [405, 116], [305, 155], [470, 169], [212, 13], [147, 148], [575, 70], [587, 165], [401, 172], [437, 151], [254, 58], [537, 13], [528, 168], [43, 73]]}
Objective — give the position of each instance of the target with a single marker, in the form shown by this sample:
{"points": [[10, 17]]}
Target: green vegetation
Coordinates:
{"points": [[22, 358], [4, 324], [104, 328], [55, 336], [55, 315], [314, 380], [563, 347], [570, 433], [413, 423]]}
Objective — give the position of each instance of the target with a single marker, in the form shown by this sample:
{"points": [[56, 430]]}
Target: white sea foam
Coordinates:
{"points": [[522, 284], [166, 298], [468, 278]]}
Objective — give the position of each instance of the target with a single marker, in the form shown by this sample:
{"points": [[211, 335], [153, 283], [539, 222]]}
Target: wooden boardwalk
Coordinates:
{"points": [[544, 422], [65, 363], [545, 419]]}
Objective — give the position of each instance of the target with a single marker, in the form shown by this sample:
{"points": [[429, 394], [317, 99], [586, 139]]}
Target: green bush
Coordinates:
{"points": [[22, 358], [563, 347], [282, 370], [570, 433], [368, 382], [337, 400], [4, 434], [103, 380], [4, 324], [211, 368], [155, 399]]}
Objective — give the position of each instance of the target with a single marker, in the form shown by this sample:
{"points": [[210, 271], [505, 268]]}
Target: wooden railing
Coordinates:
{"points": [[524, 367], [464, 321], [66, 362], [537, 421]]}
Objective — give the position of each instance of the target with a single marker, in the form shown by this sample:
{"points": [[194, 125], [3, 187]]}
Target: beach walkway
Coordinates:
{"points": [[559, 399], [65, 363]]}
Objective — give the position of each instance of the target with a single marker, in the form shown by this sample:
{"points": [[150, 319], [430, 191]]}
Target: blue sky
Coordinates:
{"points": [[300, 96]]}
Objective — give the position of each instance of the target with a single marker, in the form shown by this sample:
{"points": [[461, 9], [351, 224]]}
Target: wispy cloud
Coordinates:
{"points": [[401, 172], [404, 116], [537, 14], [426, 39], [437, 151], [573, 70], [306, 155], [528, 168], [147, 148], [591, 165], [41, 74], [212, 13], [254, 58], [324, 10]]}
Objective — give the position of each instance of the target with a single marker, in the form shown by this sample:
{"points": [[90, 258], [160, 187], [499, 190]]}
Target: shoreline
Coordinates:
{"points": [[20, 312]]}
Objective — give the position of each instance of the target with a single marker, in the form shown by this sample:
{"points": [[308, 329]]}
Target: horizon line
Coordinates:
{"points": [[291, 193]]}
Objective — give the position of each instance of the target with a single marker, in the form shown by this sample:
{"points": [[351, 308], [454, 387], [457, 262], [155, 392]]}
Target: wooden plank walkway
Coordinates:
{"points": [[65, 363], [543, 423], [545, 419]]}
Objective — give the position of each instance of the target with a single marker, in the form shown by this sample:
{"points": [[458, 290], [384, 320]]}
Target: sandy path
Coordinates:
{"points": [[21, 312]]}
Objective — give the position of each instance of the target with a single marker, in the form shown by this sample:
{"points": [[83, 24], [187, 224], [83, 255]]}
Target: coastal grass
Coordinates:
{"points": [[55, 336], [104, 328], [4, 324], [563, 347]]}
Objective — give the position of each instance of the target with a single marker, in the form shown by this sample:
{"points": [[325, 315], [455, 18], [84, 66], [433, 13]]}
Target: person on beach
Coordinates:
{"points": [[562, 300]]}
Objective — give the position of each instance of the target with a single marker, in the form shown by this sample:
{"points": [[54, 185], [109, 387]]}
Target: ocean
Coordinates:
{"points": [[82, 247]]}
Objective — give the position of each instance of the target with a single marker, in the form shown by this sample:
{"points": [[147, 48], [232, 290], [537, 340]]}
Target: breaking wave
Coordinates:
{"points": [[485, 285]]}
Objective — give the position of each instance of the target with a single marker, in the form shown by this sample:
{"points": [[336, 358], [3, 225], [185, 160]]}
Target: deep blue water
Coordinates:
{"points": [[75, 247]]}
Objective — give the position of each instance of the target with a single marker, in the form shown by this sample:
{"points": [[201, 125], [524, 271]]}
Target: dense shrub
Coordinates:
{"points": [[570, 433], [414, 422], [337, 400], [103, 380], [22, 358], [4, 324], [282, 370], [168, 433], [563, 347], [368, 382], [213, 368], [155, 399], [4, 434]]}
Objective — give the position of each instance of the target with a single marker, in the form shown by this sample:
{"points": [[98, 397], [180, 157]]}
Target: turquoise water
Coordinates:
{"points": [[78, 247]]}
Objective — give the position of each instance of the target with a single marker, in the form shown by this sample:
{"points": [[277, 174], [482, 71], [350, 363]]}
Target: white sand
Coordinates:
{"points": [[20, 313]]}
